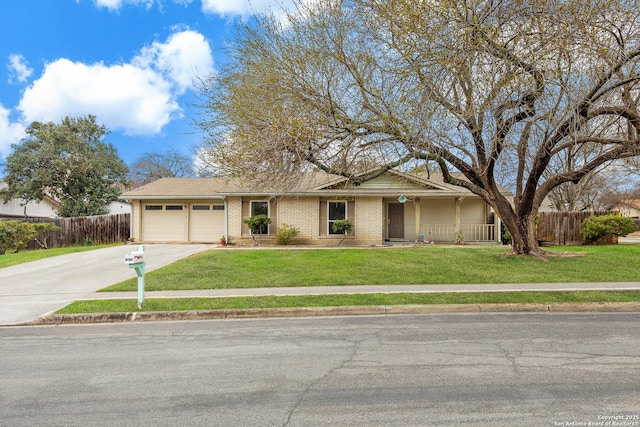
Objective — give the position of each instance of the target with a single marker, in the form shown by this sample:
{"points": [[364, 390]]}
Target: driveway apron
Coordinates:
{"points": [[29, 291]]}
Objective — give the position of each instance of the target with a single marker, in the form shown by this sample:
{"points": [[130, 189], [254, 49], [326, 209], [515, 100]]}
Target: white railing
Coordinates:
{"points": [[468, 232]]}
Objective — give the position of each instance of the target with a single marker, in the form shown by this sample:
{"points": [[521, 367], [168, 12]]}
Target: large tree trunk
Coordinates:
{"points": [[525, 242], [524, 236], [522, 228]]}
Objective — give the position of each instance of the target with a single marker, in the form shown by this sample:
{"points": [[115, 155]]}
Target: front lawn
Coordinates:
{"points": [[219, 269]]}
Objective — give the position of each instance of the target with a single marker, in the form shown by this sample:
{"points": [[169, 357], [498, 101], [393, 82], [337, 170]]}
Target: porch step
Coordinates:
{"points": [[398, 243]]}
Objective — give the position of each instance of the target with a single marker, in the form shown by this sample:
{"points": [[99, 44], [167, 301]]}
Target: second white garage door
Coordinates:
{"points": [[206, 223]]}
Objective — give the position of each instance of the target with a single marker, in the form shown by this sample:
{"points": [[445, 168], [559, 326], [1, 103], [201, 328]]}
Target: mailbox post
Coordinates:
{"points": [[136, 261]]}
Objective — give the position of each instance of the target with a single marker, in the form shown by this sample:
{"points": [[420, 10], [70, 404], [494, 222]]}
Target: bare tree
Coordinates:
{"points": [[476, 86], [569, 197], [153, 166], [619, 185]]}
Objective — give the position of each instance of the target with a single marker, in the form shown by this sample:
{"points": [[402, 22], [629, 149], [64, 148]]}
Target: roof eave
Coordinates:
{"points": [[323, 193], [173, 197]]}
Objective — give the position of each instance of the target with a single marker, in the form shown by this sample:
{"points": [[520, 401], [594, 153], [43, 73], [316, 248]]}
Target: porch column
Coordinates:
{"points": [[457, 225]]}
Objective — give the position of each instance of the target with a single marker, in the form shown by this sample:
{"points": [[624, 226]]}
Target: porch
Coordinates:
{"points": [[451, 233], [441, 220]]}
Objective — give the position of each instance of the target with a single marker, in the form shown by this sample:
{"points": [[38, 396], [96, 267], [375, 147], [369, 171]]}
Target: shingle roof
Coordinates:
{"points": [[174, 187], [311, 183], [219, 187]]}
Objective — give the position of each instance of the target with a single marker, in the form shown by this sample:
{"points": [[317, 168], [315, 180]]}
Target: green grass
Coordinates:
{"points": [[221, 269], [10, 259], [182, 304]]}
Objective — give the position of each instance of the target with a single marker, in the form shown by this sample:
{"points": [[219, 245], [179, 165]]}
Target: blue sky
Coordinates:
{"points": [[129, 62]]}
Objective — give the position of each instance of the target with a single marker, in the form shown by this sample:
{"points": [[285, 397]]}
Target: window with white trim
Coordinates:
{"points": [[260, 208], [335, 212]]}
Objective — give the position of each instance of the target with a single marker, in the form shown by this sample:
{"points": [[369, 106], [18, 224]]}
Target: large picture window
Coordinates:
{"points": [[260, 208], [336, 211]]}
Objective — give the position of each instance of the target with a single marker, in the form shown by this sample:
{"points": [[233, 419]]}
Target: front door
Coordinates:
{"points": [[395, 215]]}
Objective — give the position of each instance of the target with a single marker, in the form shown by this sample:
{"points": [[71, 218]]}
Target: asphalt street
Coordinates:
{"points": [[31, 290], [429, 370]]}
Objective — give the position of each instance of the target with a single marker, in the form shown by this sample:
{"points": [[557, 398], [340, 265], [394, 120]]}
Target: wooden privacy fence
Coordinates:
{"points": [[95, 230], [563, 228]]}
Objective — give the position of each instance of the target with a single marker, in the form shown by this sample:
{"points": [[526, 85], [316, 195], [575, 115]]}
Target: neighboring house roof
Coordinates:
{"points": [[318, 183], [629, 207], [632, 203], [47, 208], [15, 208]]}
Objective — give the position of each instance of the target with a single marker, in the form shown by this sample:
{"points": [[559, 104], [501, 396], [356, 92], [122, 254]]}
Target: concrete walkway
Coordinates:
{"points": [[29, 291], [374, 289], [376, 310]]}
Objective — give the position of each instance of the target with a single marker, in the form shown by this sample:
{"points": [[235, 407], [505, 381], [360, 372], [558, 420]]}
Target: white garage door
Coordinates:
{"points": [[164, 223], [206, 223]]}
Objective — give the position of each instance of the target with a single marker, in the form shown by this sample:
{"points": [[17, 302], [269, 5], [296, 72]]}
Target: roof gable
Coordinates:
{"points": [[388, 180]]}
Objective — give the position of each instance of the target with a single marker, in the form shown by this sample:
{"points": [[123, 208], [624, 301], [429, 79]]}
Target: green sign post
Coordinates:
{"points": [[137, 261]]}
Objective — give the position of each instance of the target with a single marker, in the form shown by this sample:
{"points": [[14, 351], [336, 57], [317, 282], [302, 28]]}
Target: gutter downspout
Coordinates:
{"points": [[135, 212], [226, 218]]}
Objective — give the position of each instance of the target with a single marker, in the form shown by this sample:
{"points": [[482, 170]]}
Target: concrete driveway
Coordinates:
{"points": [[29, 291]]}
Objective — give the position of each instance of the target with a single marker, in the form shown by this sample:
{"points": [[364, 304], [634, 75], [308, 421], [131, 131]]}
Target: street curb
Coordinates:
{"points": [[260, 313]]}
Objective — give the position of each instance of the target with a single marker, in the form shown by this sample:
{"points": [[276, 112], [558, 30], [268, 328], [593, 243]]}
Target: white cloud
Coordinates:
{"points": [[109, 4], [10, 133], [138, 98], [124, 97], [114, 5], [19, 68], [242, 8], [229, 8], [281, 9], [184, 55]]}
